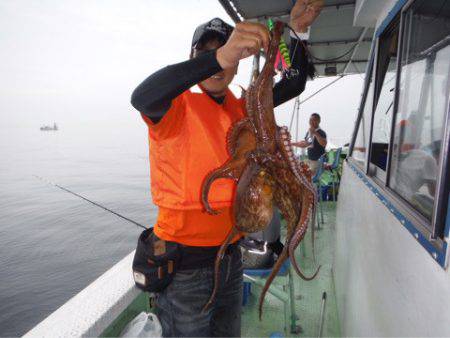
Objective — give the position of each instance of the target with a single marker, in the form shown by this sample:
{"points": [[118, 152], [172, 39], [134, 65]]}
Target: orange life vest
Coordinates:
{"points": [[187, 144]]}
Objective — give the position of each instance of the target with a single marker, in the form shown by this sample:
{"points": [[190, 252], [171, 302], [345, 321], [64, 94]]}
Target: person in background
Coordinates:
{"points": [[415, 166], [315, 141], [189, 109]]}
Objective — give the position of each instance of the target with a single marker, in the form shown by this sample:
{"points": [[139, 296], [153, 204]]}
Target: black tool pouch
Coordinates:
{"points": [[155, 262]]}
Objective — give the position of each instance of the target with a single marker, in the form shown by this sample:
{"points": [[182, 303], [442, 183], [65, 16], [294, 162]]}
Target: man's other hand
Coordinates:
{"points": [[247, 39], [304, 13]]}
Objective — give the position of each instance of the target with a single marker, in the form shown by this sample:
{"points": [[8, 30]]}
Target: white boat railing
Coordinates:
{"points": [[92, 310]]}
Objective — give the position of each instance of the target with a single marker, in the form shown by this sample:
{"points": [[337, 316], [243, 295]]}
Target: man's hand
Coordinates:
{"points": [[322, 140], [304, 13], [301, 144], [247, 39]]}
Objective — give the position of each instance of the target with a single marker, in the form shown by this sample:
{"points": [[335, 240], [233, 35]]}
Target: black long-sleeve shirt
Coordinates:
{"points": [[153, 97]]}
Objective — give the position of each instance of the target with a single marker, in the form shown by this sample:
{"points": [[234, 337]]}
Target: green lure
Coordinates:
{"points": [[284, 51]]}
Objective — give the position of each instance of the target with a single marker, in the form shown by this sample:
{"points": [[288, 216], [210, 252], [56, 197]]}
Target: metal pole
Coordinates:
{"points": [[255, 68], [296, 124], [294, 328], [361, 37], [322, 313], [231, 11], [293, 113], [273, 290]]}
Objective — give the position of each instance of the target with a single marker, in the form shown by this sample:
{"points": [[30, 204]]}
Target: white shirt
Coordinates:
{"points": [[413, 171]]}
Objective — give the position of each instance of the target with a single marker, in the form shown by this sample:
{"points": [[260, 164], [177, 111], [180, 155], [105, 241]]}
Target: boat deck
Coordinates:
{"points": [[308, 294]]}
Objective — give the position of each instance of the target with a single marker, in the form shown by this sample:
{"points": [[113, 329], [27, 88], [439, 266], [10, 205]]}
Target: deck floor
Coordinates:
{"points": [[308, 294]]}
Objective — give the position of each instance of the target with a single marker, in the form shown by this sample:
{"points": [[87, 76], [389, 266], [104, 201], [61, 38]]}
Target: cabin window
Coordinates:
{"points": [[362, 137], [384, 92], [423, 104]]}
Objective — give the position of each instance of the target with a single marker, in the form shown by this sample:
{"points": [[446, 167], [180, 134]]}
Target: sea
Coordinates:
{"points": [[52, 243]]}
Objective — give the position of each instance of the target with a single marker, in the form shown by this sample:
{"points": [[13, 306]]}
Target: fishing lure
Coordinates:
{"points": [[284, 52], [283, 56]]}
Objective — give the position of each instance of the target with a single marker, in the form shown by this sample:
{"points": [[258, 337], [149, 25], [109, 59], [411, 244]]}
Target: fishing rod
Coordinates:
{"points": [[88, 200]]}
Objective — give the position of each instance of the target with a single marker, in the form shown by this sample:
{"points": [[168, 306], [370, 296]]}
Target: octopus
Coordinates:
{"points": [[261, 161]]}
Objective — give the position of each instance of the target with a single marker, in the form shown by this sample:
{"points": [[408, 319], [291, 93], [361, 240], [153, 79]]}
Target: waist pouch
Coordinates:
{"points": [[155, 262]]}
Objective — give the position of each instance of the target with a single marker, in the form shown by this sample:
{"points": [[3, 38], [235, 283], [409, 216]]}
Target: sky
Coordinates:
{"points": [[77, 62]]}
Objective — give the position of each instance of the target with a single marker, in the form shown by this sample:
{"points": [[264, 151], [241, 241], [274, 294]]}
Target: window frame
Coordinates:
{"points": [[396, 21], [441, 215], [437, 231], [362, 105], [401, 40]]}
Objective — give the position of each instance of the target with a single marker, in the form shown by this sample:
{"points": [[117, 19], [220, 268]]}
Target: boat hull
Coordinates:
{"points": [[387, 284]]}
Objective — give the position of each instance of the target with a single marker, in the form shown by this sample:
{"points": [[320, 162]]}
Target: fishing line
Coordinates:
{"points": [[315, 57], [90, 201], [294, 111]]}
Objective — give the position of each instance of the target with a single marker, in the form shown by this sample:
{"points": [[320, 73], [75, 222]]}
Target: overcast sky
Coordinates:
{"points": [[78, 61]]}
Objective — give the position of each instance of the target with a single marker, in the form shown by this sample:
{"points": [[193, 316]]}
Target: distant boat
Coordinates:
{"points": [[47, 128]]}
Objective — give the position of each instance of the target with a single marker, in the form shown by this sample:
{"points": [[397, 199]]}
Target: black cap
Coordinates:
{"points": [[216, 27]]}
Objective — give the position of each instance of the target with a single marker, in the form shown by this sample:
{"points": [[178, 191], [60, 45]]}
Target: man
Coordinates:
{"points": [[188, 125], [315, 141], [415, 167]]}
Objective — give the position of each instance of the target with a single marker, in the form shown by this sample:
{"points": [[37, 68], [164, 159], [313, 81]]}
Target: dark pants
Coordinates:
{"points": [[179, 306]]}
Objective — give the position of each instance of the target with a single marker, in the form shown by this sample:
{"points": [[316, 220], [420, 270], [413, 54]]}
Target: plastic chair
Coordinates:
{"points": [[316, 180], [336, 160], [286, 294], [334, 169]]}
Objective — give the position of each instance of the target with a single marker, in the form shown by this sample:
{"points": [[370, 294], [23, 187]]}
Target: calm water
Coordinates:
{"points": [[53, 244]]}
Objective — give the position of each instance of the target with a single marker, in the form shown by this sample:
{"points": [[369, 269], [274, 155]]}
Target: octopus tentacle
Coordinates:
{"points": [[240, 141], [249, 100], [297, 224], [231, 169], [299, 234], [279, 263], [301, 168], [283, 199], [219, 257], [287, 151], [262, 105], [287, 208], [296, 167], [234, 133]]}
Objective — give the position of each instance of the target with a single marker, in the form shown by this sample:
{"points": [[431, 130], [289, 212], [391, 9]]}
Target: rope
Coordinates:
{"points": [[88, 200], [319, 59], [324, 87]]}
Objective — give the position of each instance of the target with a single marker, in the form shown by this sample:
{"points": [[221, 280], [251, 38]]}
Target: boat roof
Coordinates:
{"points": [[334, 40]]}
